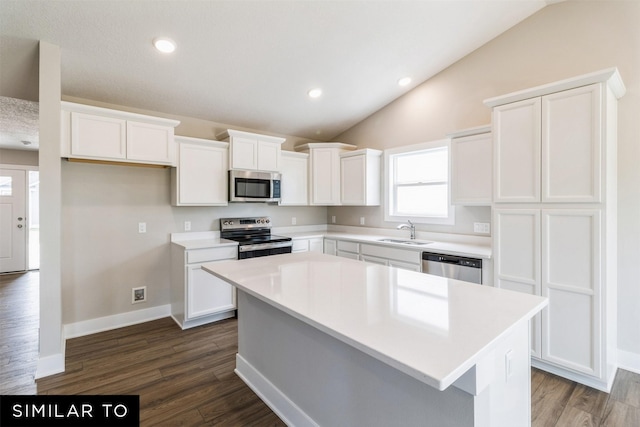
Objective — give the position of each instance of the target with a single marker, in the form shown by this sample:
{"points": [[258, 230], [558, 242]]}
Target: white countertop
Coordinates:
{"points": [[450, 248], [431, 328], [210, 239]]}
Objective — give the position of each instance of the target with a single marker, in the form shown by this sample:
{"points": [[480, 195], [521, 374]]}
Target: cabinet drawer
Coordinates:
{"points": [[348, 246], [392, 253], [212, 254]]}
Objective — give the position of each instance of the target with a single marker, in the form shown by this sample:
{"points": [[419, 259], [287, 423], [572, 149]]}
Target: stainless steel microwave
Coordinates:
{"points": [[253, 186]]}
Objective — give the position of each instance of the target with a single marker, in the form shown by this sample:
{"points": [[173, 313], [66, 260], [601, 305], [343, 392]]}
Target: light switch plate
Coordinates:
{"points": [[142, 227]]}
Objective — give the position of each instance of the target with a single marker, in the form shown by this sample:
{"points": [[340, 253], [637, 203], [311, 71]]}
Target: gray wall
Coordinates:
{"points": [[18, 157], [560, 41], [104, 256]]}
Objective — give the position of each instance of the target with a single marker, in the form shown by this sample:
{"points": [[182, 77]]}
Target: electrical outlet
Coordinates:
{"points": [[187, 226], [361, 220], [142, 227], [482, 227], [138, 295], [508, 365], [333, 219], [293, 220]]}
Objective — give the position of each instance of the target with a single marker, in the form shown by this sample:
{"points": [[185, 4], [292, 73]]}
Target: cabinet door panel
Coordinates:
{"points": [[571, 280], [98, 137], [203, 176], [268, 156], [517, 258], [207, 294], [150, 143], [517, 245], [353, 180], [294, 181], [571, 145], [244, 153], [517, 151], [325, 180]]}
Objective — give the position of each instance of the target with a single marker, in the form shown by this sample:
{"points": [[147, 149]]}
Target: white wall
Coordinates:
{"points": [[560, 41]]}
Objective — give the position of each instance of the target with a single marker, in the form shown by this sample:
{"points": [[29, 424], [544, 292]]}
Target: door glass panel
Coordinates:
{"points": [[6, 186]]}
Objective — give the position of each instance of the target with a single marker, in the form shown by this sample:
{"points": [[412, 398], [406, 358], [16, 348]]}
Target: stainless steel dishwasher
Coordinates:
{"points": [[452, 267]]}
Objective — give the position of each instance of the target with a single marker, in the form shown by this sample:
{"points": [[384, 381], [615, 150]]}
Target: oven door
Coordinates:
{"points": [[255, 253]]}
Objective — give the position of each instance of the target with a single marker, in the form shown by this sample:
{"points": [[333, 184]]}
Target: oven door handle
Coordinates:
{"points": [[259, 246]]}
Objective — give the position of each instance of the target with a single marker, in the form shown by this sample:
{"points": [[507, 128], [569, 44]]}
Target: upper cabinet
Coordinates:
{"points": [[294, 182], [252, 151], [101, 134], [324, 171], [540, 132], [471, 166], [360, 177], [201, 177]]}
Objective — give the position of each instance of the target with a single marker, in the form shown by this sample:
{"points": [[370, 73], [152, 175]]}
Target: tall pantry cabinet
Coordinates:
{"points": [[554, 218]]}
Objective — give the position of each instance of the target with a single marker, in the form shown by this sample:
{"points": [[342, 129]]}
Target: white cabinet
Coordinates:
{"points": [[101, 134], [252, 151], [537, 138], [555, 216], [201, 175], [571, 244], [471, 167], [516, 251], [393, 257], [312, 244], [330, 247], [348, 249], [324, 171], [198, 297], [294, 181], [360, 177]]}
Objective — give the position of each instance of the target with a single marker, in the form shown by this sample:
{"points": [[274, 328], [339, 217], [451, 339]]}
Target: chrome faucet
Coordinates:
{"points": [[411, 226]]}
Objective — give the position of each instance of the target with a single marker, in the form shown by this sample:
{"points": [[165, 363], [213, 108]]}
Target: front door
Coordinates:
{"points": [[13, 221]]}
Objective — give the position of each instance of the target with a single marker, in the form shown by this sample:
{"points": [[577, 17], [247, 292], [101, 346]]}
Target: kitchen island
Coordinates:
{"points": [[330, 341]]}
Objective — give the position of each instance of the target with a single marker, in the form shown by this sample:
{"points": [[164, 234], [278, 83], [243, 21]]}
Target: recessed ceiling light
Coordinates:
{"points": [[404, 81], [164, 44], [315, 93]]}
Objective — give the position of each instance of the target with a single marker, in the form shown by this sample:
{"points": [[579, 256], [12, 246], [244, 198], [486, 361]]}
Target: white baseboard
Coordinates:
{"points": [[53, 364], [288, 411], [629, 361], [107, 323]]}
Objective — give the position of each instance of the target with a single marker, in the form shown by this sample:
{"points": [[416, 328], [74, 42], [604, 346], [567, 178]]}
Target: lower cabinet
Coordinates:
{"points": [[393, 257], [376, 254], [198, 297], [330, 247], [314, 244], [559, 254]]}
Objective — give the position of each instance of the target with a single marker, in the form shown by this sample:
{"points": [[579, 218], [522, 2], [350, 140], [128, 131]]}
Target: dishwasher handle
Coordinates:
{"points": [[452, 259]]}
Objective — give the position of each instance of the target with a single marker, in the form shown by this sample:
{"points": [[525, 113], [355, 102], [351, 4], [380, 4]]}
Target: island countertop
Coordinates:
{"points": [[431, 328]]}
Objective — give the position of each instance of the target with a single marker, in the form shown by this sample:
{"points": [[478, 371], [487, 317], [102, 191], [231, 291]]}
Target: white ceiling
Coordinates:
{"points": [[248, 63]]}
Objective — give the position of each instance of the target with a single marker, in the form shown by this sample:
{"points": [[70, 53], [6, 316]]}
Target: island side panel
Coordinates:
{"points": [[311, 378]]}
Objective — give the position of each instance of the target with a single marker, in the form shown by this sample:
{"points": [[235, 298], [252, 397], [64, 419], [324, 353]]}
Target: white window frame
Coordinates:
{"points": [[389, 176]]}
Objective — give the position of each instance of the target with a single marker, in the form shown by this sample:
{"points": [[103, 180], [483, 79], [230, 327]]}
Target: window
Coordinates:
{"points": [[417, 184]]}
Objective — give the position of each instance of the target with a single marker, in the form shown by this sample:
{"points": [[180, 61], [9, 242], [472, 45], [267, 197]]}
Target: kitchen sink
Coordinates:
{"points": [[405, 242]]}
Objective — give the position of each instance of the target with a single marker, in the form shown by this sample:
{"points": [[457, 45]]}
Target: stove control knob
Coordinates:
{"points": [[268, 220]]}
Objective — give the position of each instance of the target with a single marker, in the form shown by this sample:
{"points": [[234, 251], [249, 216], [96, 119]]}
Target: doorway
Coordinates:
{"points": [[19, 219]]}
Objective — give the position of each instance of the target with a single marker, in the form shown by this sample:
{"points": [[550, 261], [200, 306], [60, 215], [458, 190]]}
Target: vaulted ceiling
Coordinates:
{"points": [[248, 63]]}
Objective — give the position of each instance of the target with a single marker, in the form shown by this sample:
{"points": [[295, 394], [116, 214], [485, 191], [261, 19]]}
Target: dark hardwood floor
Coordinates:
{"points": [[186, 378]]}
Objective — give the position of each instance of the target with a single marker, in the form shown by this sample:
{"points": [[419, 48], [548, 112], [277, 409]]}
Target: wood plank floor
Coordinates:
{"points": [[186, 378]]}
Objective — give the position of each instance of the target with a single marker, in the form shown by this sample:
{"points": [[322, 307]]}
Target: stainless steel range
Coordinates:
{"points": [[254, 237]]}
